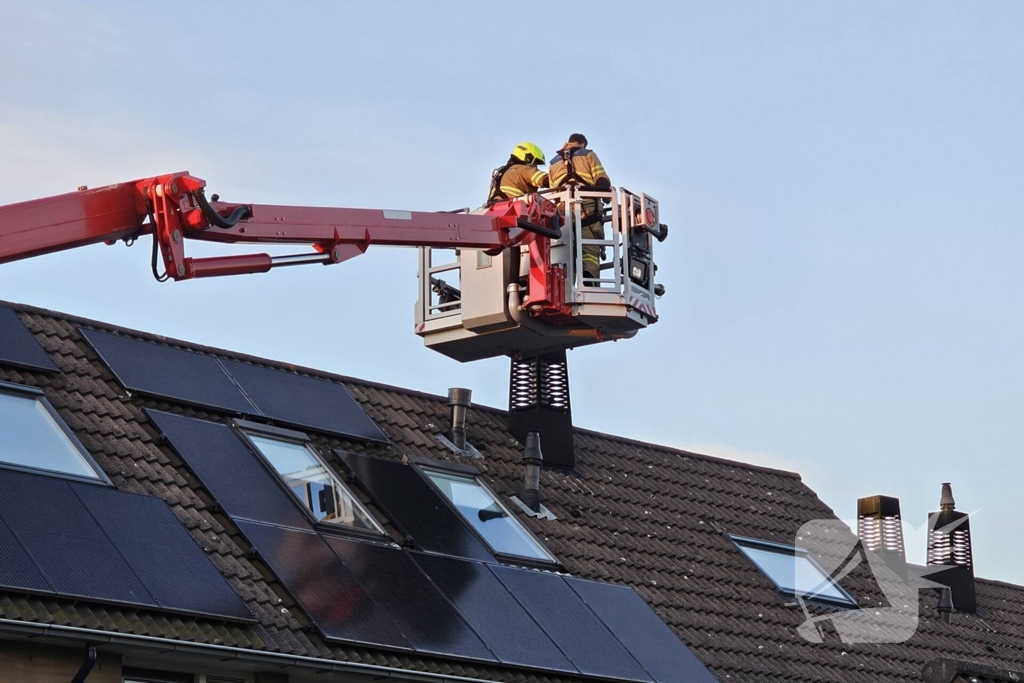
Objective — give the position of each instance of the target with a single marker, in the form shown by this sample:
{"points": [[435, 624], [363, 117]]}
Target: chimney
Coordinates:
{"points": [[949, 544], [880, 528], [538, 401], [532, 459], [459, 400]]}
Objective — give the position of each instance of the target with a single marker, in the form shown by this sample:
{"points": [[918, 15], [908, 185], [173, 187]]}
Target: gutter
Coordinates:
{"points": [[222, 653]]}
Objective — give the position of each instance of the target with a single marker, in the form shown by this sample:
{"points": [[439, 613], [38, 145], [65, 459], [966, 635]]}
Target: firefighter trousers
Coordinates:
{"points": [[592, 252]]}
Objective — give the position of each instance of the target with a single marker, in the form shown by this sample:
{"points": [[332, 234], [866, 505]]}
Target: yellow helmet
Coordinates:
{"points": [[528, 153]]}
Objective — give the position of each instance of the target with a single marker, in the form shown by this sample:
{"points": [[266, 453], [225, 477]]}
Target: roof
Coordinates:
{"points": [[655, 518]]}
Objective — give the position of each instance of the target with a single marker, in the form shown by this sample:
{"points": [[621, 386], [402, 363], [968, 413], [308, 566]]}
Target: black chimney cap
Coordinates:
{"points": [[946, 502]]}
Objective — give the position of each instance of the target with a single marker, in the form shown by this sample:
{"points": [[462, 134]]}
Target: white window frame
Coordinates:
{"points": [[246, 427], [426, 466], [35, 394], [793, 551]]}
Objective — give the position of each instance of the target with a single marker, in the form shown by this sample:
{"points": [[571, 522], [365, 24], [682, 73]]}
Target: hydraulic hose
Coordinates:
{"points": [[239, 213], [551, 233]]}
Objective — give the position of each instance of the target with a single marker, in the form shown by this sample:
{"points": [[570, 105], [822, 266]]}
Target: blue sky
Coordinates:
{"points": [[843, 184]]}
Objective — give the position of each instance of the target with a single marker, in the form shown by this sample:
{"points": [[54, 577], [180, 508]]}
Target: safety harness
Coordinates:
{"points": [[567, 154], [495, 194], [571, 177]]}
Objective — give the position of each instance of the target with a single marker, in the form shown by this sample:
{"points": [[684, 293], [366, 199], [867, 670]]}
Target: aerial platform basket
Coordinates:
{"points": [[536, 298]]}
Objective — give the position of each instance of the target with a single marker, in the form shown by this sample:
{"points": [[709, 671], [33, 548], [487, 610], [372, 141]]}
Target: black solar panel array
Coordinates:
{"points": [[18, 346], [152, 541], [236, 387], [323, 586], [577, 632], [651, 642], [501, 622], [232, 474], [453, 601], [65, 543], [415, 507], [17, 570], [426, 619], [169, 373], [304, 401], [87, 541], [370, 594]]}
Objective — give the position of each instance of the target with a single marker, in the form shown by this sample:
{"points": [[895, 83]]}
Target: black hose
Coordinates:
{"points": [[551, 233], [153, 258], [240, 212]]}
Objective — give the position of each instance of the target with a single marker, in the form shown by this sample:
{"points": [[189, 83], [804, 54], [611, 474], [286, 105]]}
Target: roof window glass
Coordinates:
{"points": [[488, 516], [33, 436], [793, 571], [315, 485]]}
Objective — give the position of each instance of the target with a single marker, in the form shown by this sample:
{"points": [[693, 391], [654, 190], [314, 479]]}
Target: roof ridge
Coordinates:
{"points": [[1002, 584], [685, 453]]}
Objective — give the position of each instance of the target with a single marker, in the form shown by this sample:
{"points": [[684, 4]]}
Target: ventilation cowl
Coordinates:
{"points": [[880, 529], [949, 543]]}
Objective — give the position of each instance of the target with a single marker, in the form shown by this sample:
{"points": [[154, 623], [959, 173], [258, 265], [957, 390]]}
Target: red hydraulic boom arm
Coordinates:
{"points": [[174, 208]]}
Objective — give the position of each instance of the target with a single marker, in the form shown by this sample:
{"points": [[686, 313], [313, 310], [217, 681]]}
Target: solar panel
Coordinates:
{"points": [[95, 542], [207, 381], [151, 539], [404, 593], [501, 622], [303, 401], [18, 346], [415, 507], [16, 568], [72, 552], [323, 586], [646, 636], [570, 624], [232, 474], [168, 373]]}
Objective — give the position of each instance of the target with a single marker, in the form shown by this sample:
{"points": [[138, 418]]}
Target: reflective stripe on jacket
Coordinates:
{"points": [[586, 164], [518, 180]]}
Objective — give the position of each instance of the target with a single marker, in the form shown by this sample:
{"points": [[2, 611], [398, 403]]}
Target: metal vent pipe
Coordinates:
{"points": [[460, 400], [532, 460]]}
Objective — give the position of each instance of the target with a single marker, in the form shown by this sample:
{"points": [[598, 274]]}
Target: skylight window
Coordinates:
{"points": [[32, 435], [313, 483], [491, 520], [793, 571]]}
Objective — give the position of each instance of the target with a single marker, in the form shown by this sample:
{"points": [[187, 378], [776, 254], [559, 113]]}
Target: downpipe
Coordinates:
{"points": [[87, 665]]}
